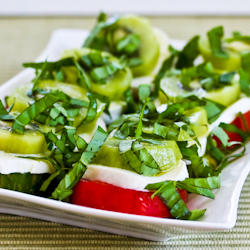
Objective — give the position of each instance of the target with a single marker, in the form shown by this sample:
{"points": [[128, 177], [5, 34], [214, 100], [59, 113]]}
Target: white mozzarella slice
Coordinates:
{"points": [[11, 163], [128, 179]]}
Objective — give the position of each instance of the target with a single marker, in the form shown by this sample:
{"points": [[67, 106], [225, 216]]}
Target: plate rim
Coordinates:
{"points": [[109, 214]]}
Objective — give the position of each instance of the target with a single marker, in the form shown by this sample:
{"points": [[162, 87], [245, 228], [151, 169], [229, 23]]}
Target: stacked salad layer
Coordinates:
{"points": [[128, 123]]}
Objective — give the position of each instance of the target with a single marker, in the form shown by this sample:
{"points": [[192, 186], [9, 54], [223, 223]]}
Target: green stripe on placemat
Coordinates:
{"points": [[21, 40]]}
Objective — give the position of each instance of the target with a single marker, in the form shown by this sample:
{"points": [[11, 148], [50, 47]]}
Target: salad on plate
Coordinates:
{"points": [[129, 123]]}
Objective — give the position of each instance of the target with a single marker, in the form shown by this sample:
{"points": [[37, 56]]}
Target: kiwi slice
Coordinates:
{"points": [[31, 142], [167, 155], [233, 62], [71, 90], [173, 88], [19, 97], [114, 87], [149, 47], [21, 100]]}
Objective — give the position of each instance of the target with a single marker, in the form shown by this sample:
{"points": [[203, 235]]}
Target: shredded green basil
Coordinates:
{"points": [[215, 36], [237, 36]]}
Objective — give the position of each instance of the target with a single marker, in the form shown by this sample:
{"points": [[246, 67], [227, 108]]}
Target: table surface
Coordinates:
{"points": [[22, 40]]}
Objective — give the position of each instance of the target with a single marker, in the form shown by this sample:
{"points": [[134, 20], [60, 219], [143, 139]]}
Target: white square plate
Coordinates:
{"points": [[221, 213]]}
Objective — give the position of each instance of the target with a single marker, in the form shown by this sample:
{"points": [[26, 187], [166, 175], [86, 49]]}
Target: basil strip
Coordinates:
{"points": [[80, 142], [129, 44], [83, 79], [212, 182], [234, 129], [201, 186], [238, 37], [100, 26], [92, 110], [138, 158], [167, 64], [214, 150], [4, 114], [31, 112], [178, 209], [213, 110], [244, 82], [97, 141], [3, 111], [144, 92], [82, 160], [118, 122], [100, 74], [221, 134], [46, 183], [132, 160], [138, 131], [188, 54], [123, 132], [214, 36], [69, 181], [51, 66], [149, 166], [217, 81], [196, 190], [94, 59], [175, 110], [245, 61]]}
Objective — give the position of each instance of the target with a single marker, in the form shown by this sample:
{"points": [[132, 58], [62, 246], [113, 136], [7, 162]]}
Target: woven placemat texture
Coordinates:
{"points": [[21, 40]]}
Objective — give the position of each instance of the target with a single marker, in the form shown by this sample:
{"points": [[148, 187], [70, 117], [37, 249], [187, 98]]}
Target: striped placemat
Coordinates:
{"points": [[21, 40]]}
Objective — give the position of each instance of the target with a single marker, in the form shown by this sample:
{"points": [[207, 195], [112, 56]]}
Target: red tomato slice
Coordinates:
{"points": [[105, 196], [238, 122]]}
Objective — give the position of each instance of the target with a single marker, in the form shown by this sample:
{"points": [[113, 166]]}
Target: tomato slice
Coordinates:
{"points": [[105, 196], [238, 122]]}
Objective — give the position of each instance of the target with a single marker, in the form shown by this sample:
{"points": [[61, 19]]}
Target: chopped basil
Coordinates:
{"points": [[138, 158], [178, 209], [239, 38], [244, 82], [129, 44], [102, 37], [213, 110], [215, 36], [189, 53], [167, 64], [221, 134], [217, 81], [101, 26]]}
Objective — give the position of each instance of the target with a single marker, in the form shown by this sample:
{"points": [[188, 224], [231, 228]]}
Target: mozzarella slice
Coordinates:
{"points": [[130, 180], [10, 163]]}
